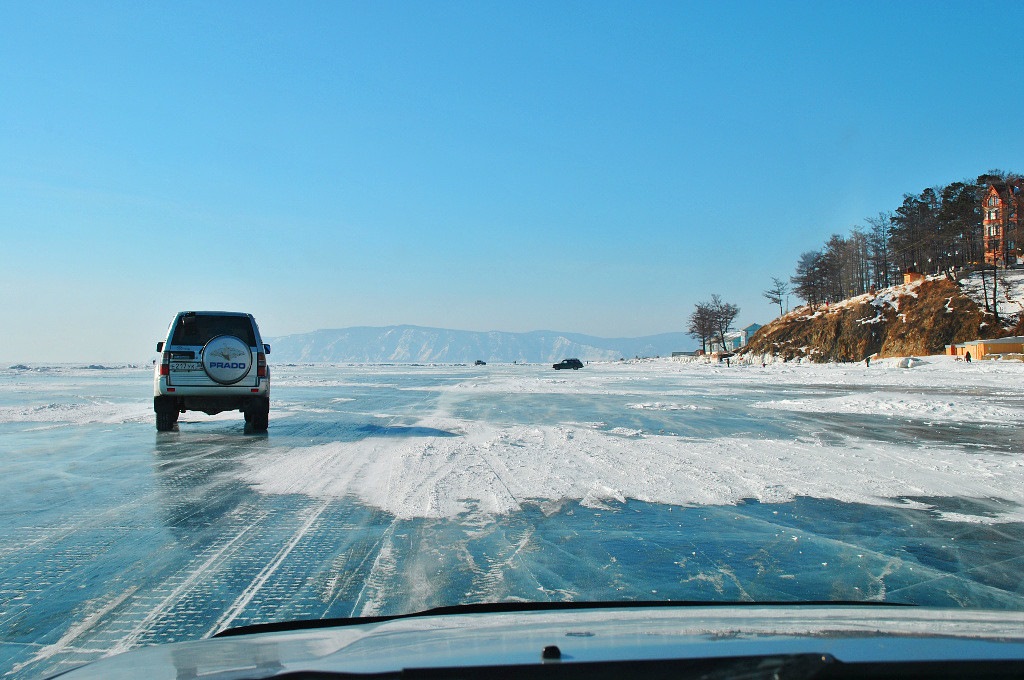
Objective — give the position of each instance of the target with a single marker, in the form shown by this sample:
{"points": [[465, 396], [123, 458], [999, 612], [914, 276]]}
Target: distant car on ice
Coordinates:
{"points": [[574, 364], [479, 362]]}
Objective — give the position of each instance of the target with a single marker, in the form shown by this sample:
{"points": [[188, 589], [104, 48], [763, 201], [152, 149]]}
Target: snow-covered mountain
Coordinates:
{"points": [[414, 344]]}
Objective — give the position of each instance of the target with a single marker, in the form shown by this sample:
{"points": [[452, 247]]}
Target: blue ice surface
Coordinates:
{"points": [[113, 535]]}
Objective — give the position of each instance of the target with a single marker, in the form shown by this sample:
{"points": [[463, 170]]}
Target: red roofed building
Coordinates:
{"points": [[1000, 222]]}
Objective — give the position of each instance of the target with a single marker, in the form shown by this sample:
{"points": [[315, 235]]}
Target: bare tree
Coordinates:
{"points": [[723, 315], [702, 324], [778, 291]]}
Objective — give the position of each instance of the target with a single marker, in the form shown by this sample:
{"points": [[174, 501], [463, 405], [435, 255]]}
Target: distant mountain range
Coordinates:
{"points": [[416, 344]]}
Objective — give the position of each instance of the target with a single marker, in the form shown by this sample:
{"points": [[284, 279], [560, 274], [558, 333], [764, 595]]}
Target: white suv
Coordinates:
{"points": [[212, 362]]}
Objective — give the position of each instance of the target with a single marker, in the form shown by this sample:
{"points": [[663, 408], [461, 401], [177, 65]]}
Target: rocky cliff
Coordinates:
{"points": [[919, 318]]}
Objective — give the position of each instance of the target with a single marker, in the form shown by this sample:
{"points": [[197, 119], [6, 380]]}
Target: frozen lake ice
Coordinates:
{"points": [[388, 489]]}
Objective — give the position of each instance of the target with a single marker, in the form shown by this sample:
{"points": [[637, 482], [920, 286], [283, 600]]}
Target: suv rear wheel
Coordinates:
{"points": [[257, 415], [166, 413]]}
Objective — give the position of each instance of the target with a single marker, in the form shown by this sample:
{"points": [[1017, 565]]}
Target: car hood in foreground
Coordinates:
{"points": [[531, 639]]}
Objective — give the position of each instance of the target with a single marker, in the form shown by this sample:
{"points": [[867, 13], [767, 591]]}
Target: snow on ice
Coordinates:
{"points": [[585, 446], [497, 467]]}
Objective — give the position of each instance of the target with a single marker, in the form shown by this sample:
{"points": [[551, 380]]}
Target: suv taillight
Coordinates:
{"points": [[165, 364], [261, 365]]}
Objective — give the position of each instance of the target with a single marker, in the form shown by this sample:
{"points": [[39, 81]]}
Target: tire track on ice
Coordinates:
{"points": [[129, 640], [384, 567], [345, 576], [75, 631], [243, 600], [492, 583]]}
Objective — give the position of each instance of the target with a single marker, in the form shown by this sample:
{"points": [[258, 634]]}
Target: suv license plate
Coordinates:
{"points": [[189, 366]]}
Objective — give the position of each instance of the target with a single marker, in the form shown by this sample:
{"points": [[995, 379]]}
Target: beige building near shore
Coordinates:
{"points": [[996, 348]]}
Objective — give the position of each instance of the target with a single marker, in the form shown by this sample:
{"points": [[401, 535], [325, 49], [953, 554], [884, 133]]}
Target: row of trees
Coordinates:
{"points": [[938, 230], [711, 320]]}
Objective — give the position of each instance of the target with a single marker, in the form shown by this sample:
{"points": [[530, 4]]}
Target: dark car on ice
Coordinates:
{"points": [[574, 364]]}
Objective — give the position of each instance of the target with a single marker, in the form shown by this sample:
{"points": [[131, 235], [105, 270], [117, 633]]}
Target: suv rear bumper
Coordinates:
{"points": [[198, 398], [211, 405]]}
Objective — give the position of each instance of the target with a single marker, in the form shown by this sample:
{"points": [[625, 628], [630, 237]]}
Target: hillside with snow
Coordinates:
{"points": [[916, 318]]}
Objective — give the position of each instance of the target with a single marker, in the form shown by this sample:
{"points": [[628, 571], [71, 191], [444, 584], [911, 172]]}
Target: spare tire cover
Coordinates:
{"points": [[226, 359]]}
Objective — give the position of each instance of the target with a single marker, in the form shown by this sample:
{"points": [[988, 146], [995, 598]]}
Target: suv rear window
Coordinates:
{"points": [[200, 329]]}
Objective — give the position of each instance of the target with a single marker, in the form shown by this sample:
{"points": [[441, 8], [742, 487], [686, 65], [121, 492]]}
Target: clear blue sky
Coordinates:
{"points": [[596, 167]]}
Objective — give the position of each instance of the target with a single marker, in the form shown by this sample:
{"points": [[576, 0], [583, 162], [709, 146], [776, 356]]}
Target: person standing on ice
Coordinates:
{"points": [[967, 357]]}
